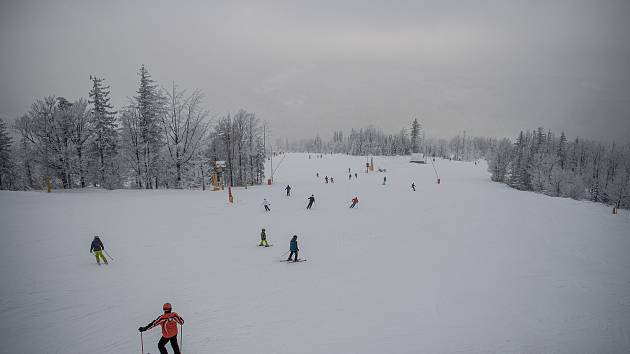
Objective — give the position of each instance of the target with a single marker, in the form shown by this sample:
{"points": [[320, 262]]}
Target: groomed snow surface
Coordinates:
{"points": [[466, 266]]}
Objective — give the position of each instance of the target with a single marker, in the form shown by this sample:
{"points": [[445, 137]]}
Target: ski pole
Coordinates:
{"points": [[181, 340], [108, 255], [285, 253], [141, 343]]}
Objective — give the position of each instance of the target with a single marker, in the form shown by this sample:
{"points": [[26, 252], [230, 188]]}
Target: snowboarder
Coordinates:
{"points": [[168, 321], [263, 239], [266, 204], [293, 248], [97, 249], [311, 200], [355, 201], [288, 189], [413, 186], [326, 178]]}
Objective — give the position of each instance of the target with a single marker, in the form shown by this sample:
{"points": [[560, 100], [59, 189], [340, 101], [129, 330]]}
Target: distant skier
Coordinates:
{"points": [[355, 201], [288, 189], [311, 200], [348, 169], [384, 180], [326, 178], [266, 204], [293, 248], [317, 174], [413, 186], [168, 321], [263, 239], [350, 176], [355, 175], [97, 248], [332, 180]]}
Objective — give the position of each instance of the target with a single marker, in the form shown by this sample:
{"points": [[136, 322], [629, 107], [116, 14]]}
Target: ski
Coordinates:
{"points": [[265, 246], [292, 261]]}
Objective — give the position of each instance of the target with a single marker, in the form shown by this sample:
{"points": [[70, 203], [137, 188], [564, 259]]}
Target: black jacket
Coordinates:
{"points": [[97, 245]]}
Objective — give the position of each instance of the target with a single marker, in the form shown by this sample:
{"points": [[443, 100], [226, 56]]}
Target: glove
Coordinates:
{"points": [[142, 329]]}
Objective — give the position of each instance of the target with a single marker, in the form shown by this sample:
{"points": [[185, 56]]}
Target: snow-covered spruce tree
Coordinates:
{"points": [[415, 136], [150, 104], [7, 165], [499, 161], [562, 150], [104, 147], [184, 124]]}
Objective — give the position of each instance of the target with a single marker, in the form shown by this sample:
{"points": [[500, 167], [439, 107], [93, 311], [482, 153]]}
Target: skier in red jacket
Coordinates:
{"points": [[168, 321], [355, 201]]}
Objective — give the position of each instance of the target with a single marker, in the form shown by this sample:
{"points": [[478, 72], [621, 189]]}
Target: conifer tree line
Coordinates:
{"points": [[373, 141], [580, 169], [163, 138]]}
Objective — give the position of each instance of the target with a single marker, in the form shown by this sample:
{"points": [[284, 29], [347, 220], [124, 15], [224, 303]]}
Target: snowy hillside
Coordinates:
{"points": [[466, 266]]}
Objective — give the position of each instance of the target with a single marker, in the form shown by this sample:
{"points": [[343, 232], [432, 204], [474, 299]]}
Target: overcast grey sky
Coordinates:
{"points": [[487, 67]]}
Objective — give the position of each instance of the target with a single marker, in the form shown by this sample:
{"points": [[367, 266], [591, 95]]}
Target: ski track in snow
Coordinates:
{"points": [[467, 266]]}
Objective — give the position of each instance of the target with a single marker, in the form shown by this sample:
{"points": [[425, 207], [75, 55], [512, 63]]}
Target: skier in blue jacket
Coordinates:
{"points": [[293, 247]]}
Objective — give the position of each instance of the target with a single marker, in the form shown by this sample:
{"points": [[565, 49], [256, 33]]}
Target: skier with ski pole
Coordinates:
{"points": [[266, 204], [168, 321], [293, 248], [355, 201], [311, 200], [97, 249]]}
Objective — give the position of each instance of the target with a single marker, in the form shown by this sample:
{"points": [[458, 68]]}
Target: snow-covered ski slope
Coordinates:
{"points": [[466, 266]]}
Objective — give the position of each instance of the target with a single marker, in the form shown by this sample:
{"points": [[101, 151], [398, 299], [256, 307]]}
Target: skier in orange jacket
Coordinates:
{"points": [[168, 321]]}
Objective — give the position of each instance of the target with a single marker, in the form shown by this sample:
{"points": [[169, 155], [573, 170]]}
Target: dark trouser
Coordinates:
{"points": [[267, 208], [310, 204], [162, 345], [353, 204], [288, 193], [291, 255]]}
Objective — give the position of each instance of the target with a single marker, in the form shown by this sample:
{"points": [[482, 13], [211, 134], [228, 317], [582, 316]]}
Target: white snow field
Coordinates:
{"points": [[466, 266]]}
